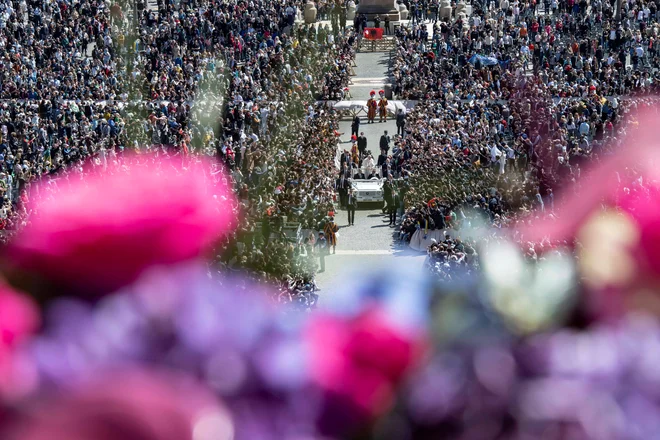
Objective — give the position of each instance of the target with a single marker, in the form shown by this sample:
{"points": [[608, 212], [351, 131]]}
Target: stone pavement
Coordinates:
{"points": [[371, 73], [370, 242]]}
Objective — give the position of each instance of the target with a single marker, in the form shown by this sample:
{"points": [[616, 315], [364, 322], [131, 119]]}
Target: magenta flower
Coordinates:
{"points": [[103, 231], [358, 362], [19, 319], [645, 214], [128, 405], [602, 183]]}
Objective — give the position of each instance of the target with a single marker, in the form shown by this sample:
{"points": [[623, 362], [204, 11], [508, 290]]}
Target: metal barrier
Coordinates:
{"points": [[386, 44]]}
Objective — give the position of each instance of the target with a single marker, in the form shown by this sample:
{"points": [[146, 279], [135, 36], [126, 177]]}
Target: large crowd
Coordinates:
{"points": [[134, 122], [232, 79], [516, 100]]}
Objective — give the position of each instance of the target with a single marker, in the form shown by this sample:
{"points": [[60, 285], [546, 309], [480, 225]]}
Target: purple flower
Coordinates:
{"points": [[223, 331], [600, 383]]}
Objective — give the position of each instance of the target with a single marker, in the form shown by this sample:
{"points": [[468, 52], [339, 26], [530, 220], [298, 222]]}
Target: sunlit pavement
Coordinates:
{"points": [[367, 244], [370, 242]]}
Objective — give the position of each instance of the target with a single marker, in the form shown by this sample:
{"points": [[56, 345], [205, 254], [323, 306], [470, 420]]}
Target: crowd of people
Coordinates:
{"points": [[489, 55], [517, 97], [296, 188], [231, 79], [463, 183], [516, 100]]}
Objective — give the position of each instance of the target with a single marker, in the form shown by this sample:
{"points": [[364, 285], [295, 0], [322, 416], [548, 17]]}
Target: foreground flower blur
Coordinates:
{"points": [[19, 316], [358, 363], [100, 233], [19, 319], [503, 350], [644, 211], [127, 405], [220, 330]]}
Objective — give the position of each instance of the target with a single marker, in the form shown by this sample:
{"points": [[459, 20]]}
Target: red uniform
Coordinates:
{"points": [[371, 109], [382, 106]]}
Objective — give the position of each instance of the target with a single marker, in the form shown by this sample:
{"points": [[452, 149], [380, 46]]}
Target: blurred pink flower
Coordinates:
{"points": [[601, 183], [645, 214], [612, 212], [359, 362], [129, 405], [103, 231], [19, 318]]}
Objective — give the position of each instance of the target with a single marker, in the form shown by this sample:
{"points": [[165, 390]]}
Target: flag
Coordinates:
{"points": [[373, 33]]}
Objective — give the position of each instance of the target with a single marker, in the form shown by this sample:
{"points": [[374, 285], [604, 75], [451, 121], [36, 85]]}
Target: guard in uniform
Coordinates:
{"points": [[371, 108], [382, 106]]}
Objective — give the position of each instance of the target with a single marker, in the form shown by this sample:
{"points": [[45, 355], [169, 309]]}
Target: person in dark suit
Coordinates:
{"points": [[385, 143], [387, 194], [400, 122], [351, 205], [362, 145], [386, 167], [355, 126], [393, 207], [364, 22], [342, 186], [345, 159]]}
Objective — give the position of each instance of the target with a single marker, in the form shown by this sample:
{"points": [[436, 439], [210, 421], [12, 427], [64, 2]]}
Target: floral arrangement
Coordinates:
{"points": [[113, 325]]}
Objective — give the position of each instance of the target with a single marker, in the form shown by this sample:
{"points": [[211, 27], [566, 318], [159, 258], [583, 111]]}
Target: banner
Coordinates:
{"points": [[373, 33]]}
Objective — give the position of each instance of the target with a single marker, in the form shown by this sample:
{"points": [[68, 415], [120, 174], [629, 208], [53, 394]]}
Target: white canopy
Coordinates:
{"points": [[356, 106]]}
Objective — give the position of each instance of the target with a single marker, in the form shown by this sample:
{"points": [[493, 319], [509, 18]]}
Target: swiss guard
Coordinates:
{"points": [[382, 106], [371, 108]]}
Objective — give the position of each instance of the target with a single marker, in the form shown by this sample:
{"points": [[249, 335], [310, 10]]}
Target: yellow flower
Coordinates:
{"points": [[603, 256]]}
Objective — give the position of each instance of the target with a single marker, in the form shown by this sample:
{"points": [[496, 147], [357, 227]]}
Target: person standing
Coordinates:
{"points": [[384, 144], [290, 14], [362, 145], [387, 195], [387, 25], [355, 154], [371, 108], [351, 205], [393, 207], [330, 231], [322, 245], [360, 22], [382, 106], [355, 126], [342, 188], [342, 16], [400, 122], [335, 10], [413, 12], [382, 158]]}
